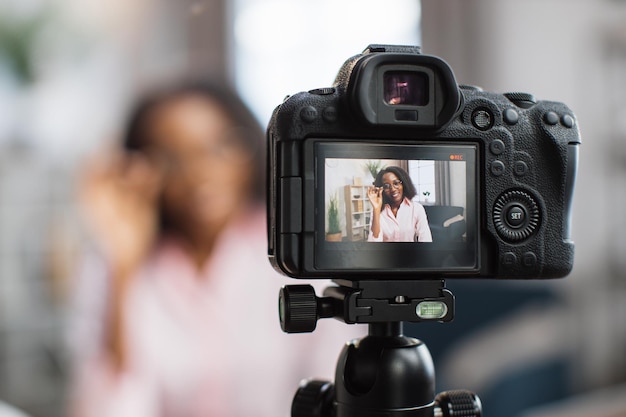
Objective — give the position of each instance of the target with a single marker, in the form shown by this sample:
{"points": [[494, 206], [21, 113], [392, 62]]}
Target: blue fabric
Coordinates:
{"points": [[477, 304]]}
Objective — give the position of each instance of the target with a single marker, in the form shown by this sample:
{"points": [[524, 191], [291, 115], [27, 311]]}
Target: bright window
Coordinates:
{"points": [[283, 47]]}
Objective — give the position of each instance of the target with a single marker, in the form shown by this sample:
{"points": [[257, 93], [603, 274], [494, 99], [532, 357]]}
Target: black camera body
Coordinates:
{"points": [[491, 176]]}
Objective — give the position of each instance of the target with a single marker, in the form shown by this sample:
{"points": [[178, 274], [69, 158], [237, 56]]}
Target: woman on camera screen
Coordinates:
{"points": [[396, 217]]}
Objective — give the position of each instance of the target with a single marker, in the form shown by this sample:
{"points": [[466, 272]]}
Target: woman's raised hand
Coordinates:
{"points": [[375, 195], [119, 199]]}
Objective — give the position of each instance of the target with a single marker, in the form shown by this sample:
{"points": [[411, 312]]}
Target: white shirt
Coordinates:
{"points": [[203, 343], [410, 221]]}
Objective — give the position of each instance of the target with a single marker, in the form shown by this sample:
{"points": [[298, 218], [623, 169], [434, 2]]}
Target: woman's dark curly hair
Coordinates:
{"points": [[137, 132], [409, 190]]}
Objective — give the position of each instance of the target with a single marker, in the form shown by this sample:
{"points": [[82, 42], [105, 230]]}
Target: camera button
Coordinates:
{"points": [[497, 147], [497, 168], [567, 121], [520, 168], [509, 259], [551, 118], [329, 114], [308, 114], [529, 259], [510, 116], [516, 216]]}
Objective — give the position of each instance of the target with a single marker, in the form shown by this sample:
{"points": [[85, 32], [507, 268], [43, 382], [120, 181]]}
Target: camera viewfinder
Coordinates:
{"points": [[406, 88]]}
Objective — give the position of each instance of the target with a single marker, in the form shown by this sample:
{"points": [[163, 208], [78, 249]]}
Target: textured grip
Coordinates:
{"points": [[314, 398], [458, 403], [298, 308]]}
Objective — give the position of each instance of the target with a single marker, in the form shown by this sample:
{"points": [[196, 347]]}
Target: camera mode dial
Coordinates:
{"points": [[516, 215], [522, 100]]}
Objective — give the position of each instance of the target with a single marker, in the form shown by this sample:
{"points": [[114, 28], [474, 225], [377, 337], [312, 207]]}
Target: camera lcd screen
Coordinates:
{"points": [[396, 207]]}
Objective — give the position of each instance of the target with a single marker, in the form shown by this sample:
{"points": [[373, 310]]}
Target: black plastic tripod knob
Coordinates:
{"points": [[297, 306], [458, 403], [314, 398]]}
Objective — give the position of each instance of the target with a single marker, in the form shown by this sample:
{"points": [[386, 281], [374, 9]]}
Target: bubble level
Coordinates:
{"points": [[431, 310]]}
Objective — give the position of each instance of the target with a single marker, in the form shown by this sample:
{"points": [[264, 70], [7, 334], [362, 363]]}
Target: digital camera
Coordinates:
{"points": [[397, 172]]}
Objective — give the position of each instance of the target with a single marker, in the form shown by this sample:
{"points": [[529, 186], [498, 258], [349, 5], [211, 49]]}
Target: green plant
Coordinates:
{"points": [[18, 40], [426, 193], [333, 215], [374, 167]]}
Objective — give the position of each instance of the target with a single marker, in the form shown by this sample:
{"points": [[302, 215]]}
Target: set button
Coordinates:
{"points": [[516, 216]]}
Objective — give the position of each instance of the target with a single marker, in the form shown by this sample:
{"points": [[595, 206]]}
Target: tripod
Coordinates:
{"points": [[384, 374]]}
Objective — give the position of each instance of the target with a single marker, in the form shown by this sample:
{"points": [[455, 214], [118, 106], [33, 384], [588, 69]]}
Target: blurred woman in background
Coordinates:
{"points": [[177, 311]]}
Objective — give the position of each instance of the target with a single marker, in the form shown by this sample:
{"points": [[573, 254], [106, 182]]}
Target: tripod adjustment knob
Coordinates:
{"points": [[298, 308], [314, 398], [458, 403]]}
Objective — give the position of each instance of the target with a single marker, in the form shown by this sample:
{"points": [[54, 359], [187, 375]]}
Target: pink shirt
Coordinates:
{"points": [[202, 343], [409, 222]]}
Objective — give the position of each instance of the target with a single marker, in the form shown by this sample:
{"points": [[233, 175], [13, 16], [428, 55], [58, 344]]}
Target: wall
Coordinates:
{"points": [[89, 59], [570, 51]]}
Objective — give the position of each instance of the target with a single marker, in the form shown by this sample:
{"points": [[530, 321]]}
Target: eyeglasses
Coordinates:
{"points": [[228, 151], [396, 184]]}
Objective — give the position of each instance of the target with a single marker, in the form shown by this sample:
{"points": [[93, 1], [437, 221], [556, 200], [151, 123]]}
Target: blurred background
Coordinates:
{"points": [[70, 69]]}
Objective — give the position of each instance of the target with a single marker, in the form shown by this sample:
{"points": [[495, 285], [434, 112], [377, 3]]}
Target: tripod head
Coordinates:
{"points": [[365, 302], [385, 373]]}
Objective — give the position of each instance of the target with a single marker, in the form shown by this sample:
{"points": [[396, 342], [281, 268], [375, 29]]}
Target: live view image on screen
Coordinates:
{"points": [[389, 200], [396, 206]]}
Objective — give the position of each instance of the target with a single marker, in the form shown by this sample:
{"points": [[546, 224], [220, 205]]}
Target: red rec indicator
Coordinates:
{"points": [[456, 157]]}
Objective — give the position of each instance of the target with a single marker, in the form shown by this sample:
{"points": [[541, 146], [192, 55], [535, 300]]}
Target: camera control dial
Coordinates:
{"points": [[522, 100], [516, 215]]}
